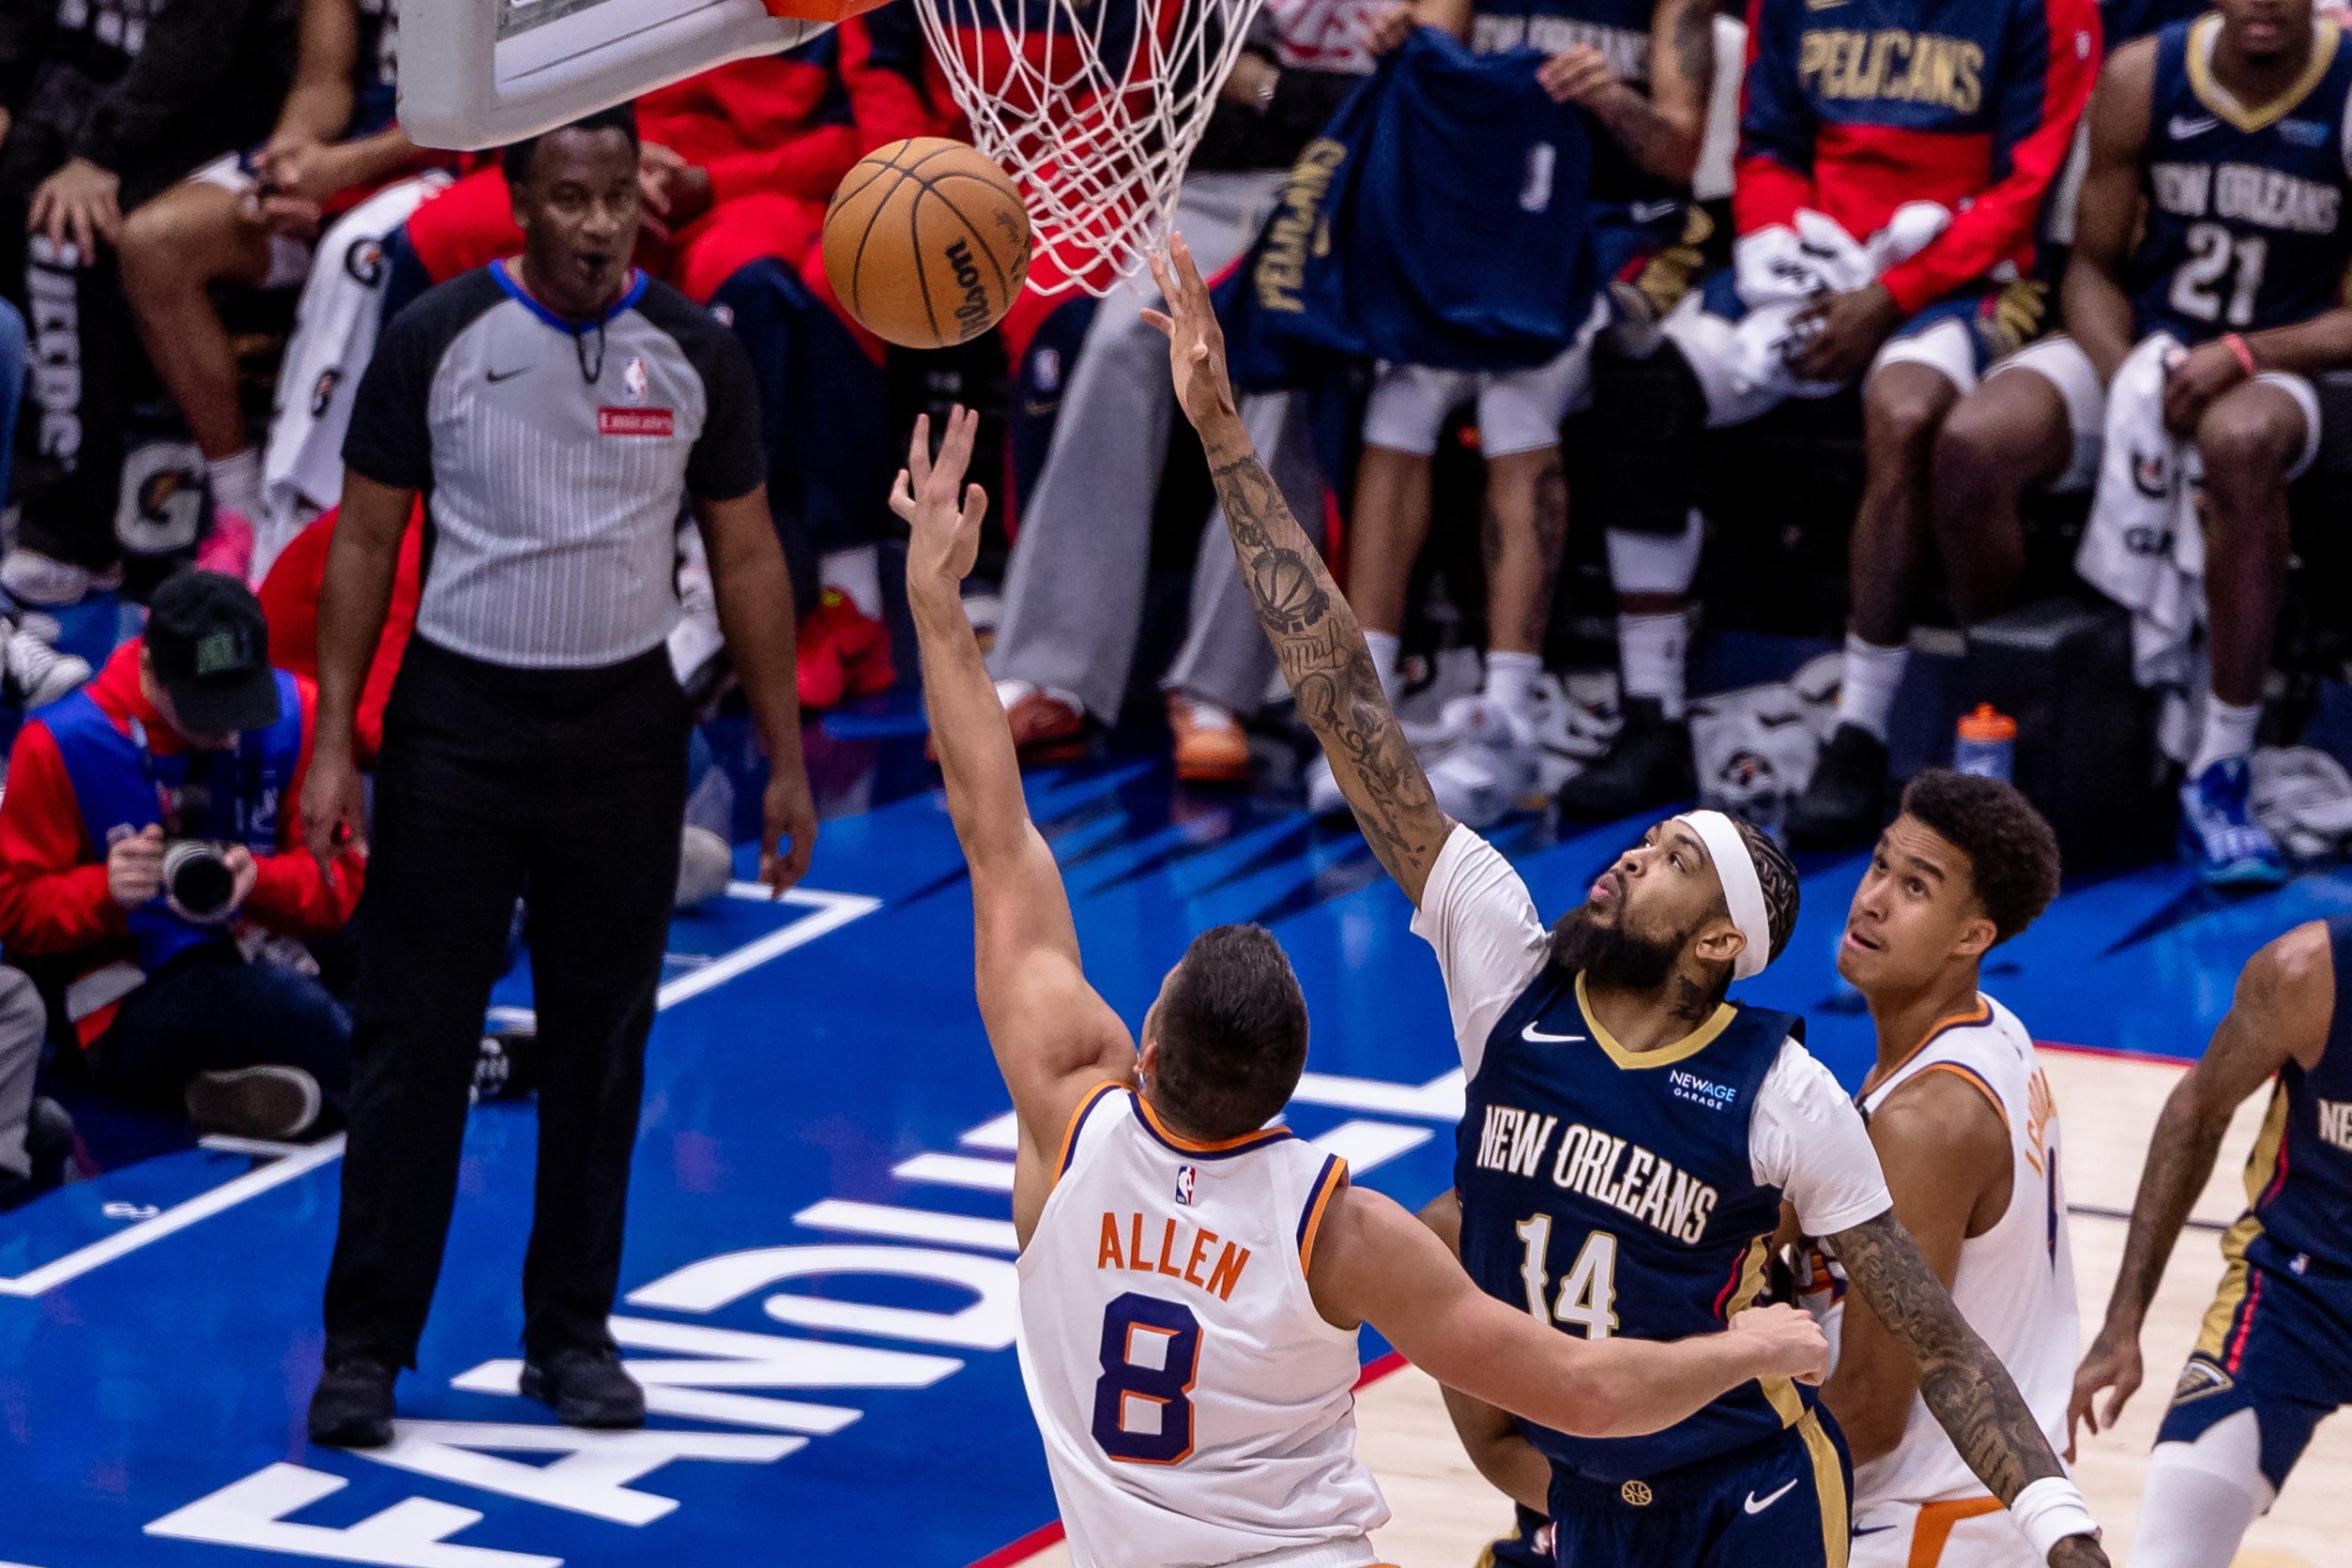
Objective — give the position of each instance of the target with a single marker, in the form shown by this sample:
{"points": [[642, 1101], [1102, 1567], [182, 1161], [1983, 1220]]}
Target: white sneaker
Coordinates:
{"points": [[1490, 766], [37, 579], [42, 674], [1323, 798]]}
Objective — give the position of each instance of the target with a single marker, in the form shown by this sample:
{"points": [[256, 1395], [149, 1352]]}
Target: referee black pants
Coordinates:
{"points": [[566, 788]]}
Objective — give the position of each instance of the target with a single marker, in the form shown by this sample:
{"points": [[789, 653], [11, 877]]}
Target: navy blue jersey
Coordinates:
{"points": [[2245, 207], [1620, 29], [1622, 1200], [2299, 1179]]}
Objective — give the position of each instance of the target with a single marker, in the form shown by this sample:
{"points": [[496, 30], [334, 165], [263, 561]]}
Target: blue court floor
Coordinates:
{"points": [[818, 1288]]}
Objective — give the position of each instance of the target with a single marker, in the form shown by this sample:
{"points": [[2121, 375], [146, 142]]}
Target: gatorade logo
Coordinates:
{"points": [[972, 315]]}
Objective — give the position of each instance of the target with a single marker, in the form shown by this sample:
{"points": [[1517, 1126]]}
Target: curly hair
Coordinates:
{"points": [[2012, 854], [1777, 877]]}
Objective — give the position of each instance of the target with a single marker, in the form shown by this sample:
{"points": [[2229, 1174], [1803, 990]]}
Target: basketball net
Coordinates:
{"points": [[1094, 108]]}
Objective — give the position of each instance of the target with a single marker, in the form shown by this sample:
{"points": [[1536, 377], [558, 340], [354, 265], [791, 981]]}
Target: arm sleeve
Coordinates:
{"points": [[1775, 173], [729, 457], [291, 895], [1480, 919], [189, 49], [391, 439], [2045, 82], [52, 896], [1806, 1138]]}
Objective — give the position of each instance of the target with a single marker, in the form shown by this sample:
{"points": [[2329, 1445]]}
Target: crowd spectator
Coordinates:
{"points": [[2184, 367], [1062, 659], [107, 105], [184, 984], [35, 1130], [248, 220], [1640, 71]]}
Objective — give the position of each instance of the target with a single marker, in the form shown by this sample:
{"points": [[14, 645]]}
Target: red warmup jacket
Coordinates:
{"points": [[781, 124], [53, 881], [289, 601]]}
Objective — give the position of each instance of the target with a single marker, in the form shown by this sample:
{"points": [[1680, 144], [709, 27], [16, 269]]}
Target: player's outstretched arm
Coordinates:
{"points": [[1964, 1382], [2285, 997], [1314, 633], [2096, 311], [1375, 1263], [1498, 1449], [1054, 1039]]}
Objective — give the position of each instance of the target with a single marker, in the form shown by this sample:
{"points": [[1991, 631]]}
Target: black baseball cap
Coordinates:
{"points": [[209, 646]]}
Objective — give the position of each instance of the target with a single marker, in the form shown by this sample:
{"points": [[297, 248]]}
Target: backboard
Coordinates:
{"points": [[480, 73]]}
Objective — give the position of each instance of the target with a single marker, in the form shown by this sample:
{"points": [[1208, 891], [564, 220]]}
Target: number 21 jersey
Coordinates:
{"points": [[2246, 227], [1195, 1409]]}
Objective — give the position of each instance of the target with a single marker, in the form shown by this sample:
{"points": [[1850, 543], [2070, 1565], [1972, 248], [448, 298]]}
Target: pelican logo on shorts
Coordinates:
{"points": [[634, 380], [1637, 1493], [1186, 1178], [2199, 1379]]}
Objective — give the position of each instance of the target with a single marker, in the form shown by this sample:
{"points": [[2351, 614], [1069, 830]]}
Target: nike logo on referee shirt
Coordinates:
{"points": [[494, 377], [1754, 1505], [1534, 1036]]}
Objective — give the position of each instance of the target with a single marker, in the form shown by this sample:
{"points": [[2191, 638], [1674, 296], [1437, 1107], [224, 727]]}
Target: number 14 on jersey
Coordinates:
{"points": [[1588, 1294]]}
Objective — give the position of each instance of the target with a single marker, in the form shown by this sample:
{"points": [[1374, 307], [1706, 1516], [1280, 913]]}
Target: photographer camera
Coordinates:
{"points": [[153, 877]]}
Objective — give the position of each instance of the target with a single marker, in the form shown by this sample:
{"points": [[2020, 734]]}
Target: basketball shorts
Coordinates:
{"points": [[1780, 1501], [2059, 362], [1519, 410], [1968, 1532], [289, 258], [1961, 335], [1528, 1546], [2276, 1341]]}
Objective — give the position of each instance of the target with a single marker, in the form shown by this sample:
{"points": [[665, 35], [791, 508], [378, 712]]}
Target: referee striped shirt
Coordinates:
{"points": [[556, 458]]}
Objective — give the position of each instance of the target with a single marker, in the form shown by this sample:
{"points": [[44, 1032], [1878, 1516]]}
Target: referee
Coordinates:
{"points": [[559, 413]]}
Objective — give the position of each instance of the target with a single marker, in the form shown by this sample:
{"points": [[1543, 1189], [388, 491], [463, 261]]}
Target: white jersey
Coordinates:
{"points": [[2016, 1281], [1197, 1409]]}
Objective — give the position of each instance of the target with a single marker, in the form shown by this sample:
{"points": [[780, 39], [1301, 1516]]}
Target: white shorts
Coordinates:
{"points": [[2060, 361], [1968, 1532], [1518, 411], [1948, 347], [289, 258]]}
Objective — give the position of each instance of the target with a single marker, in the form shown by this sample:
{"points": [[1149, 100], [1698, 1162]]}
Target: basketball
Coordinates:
{"points": [[927, 242]]}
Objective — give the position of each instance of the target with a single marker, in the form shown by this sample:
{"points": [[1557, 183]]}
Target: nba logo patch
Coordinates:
{"points": [[1186, 1178], [634, 379]]}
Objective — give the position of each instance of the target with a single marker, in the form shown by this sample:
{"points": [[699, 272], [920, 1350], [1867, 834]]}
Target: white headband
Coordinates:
{"points": [[1743, 894]]}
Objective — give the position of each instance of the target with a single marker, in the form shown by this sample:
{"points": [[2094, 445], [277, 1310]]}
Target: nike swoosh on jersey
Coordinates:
{"points": [[494, 377], [1823, 4], [1754, 1506], [1650, 212], [1534, 1036], [1872, 1530], [2183, 128]]}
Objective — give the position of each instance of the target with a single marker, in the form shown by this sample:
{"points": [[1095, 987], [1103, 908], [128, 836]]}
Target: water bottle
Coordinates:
{"points": [[1986, 744]]}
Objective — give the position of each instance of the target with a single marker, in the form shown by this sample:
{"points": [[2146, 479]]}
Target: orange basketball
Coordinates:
{"points": [[927, 242]]}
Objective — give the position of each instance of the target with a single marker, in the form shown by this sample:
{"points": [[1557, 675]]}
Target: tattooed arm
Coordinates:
{"points": [[1313, 631], [2284, 1002], [1661, 127], [1963, 1382]]}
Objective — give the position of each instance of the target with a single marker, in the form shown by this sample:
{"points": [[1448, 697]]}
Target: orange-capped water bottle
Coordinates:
{"points": [[1987, 743]]}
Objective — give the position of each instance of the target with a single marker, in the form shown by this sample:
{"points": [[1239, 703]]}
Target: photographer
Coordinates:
{"points": [[145, 871]]}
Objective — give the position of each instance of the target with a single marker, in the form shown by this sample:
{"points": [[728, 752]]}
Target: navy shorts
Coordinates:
{"points": [[2277, 1341], [1782, 1501]]}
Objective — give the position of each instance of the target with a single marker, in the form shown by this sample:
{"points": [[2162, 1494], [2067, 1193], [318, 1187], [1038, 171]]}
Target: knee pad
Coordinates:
{"points": [[1649, 417]]}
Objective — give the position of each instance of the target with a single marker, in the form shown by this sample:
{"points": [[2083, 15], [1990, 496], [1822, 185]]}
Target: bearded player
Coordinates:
{"points": [[1967, 1133], [2273, 1358], [1629, 1133], [1191, 1278]]}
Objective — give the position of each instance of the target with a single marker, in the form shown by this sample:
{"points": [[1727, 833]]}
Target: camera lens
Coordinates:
{"points": [[198, 878]]}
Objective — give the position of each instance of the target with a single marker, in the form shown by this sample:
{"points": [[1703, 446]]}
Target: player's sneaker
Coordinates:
{"points": [[1647, 764], [271, 1101], [843, 653], [33, 578], [2218, 828], [1845, 801], [40, 673], [1490, 765], [1211, 745]]}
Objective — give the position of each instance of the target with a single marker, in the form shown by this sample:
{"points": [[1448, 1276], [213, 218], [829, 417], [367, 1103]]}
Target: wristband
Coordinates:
{"points": [[2243, 352], [2049, 1510]]}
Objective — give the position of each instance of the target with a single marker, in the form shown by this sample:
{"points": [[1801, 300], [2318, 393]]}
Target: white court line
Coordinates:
{"points": [[833, 911], [957, 1170]]}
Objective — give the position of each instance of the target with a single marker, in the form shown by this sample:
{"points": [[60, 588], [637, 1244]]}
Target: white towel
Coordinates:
{"points": [[1781, 272], [2143, 547], [334, 334]]}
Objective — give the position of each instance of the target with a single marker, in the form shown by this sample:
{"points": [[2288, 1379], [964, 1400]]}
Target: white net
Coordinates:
{"points": [[1094, 108]]}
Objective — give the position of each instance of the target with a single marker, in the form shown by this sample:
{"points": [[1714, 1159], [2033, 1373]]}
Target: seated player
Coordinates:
{"points": [[1641, 70], [1199, 1411], [2274, 1356], [105, 106], [2232, 122], [1913, 144], [1062, 659], [247, 220], [1611, 1030], [1967, 1134]]}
